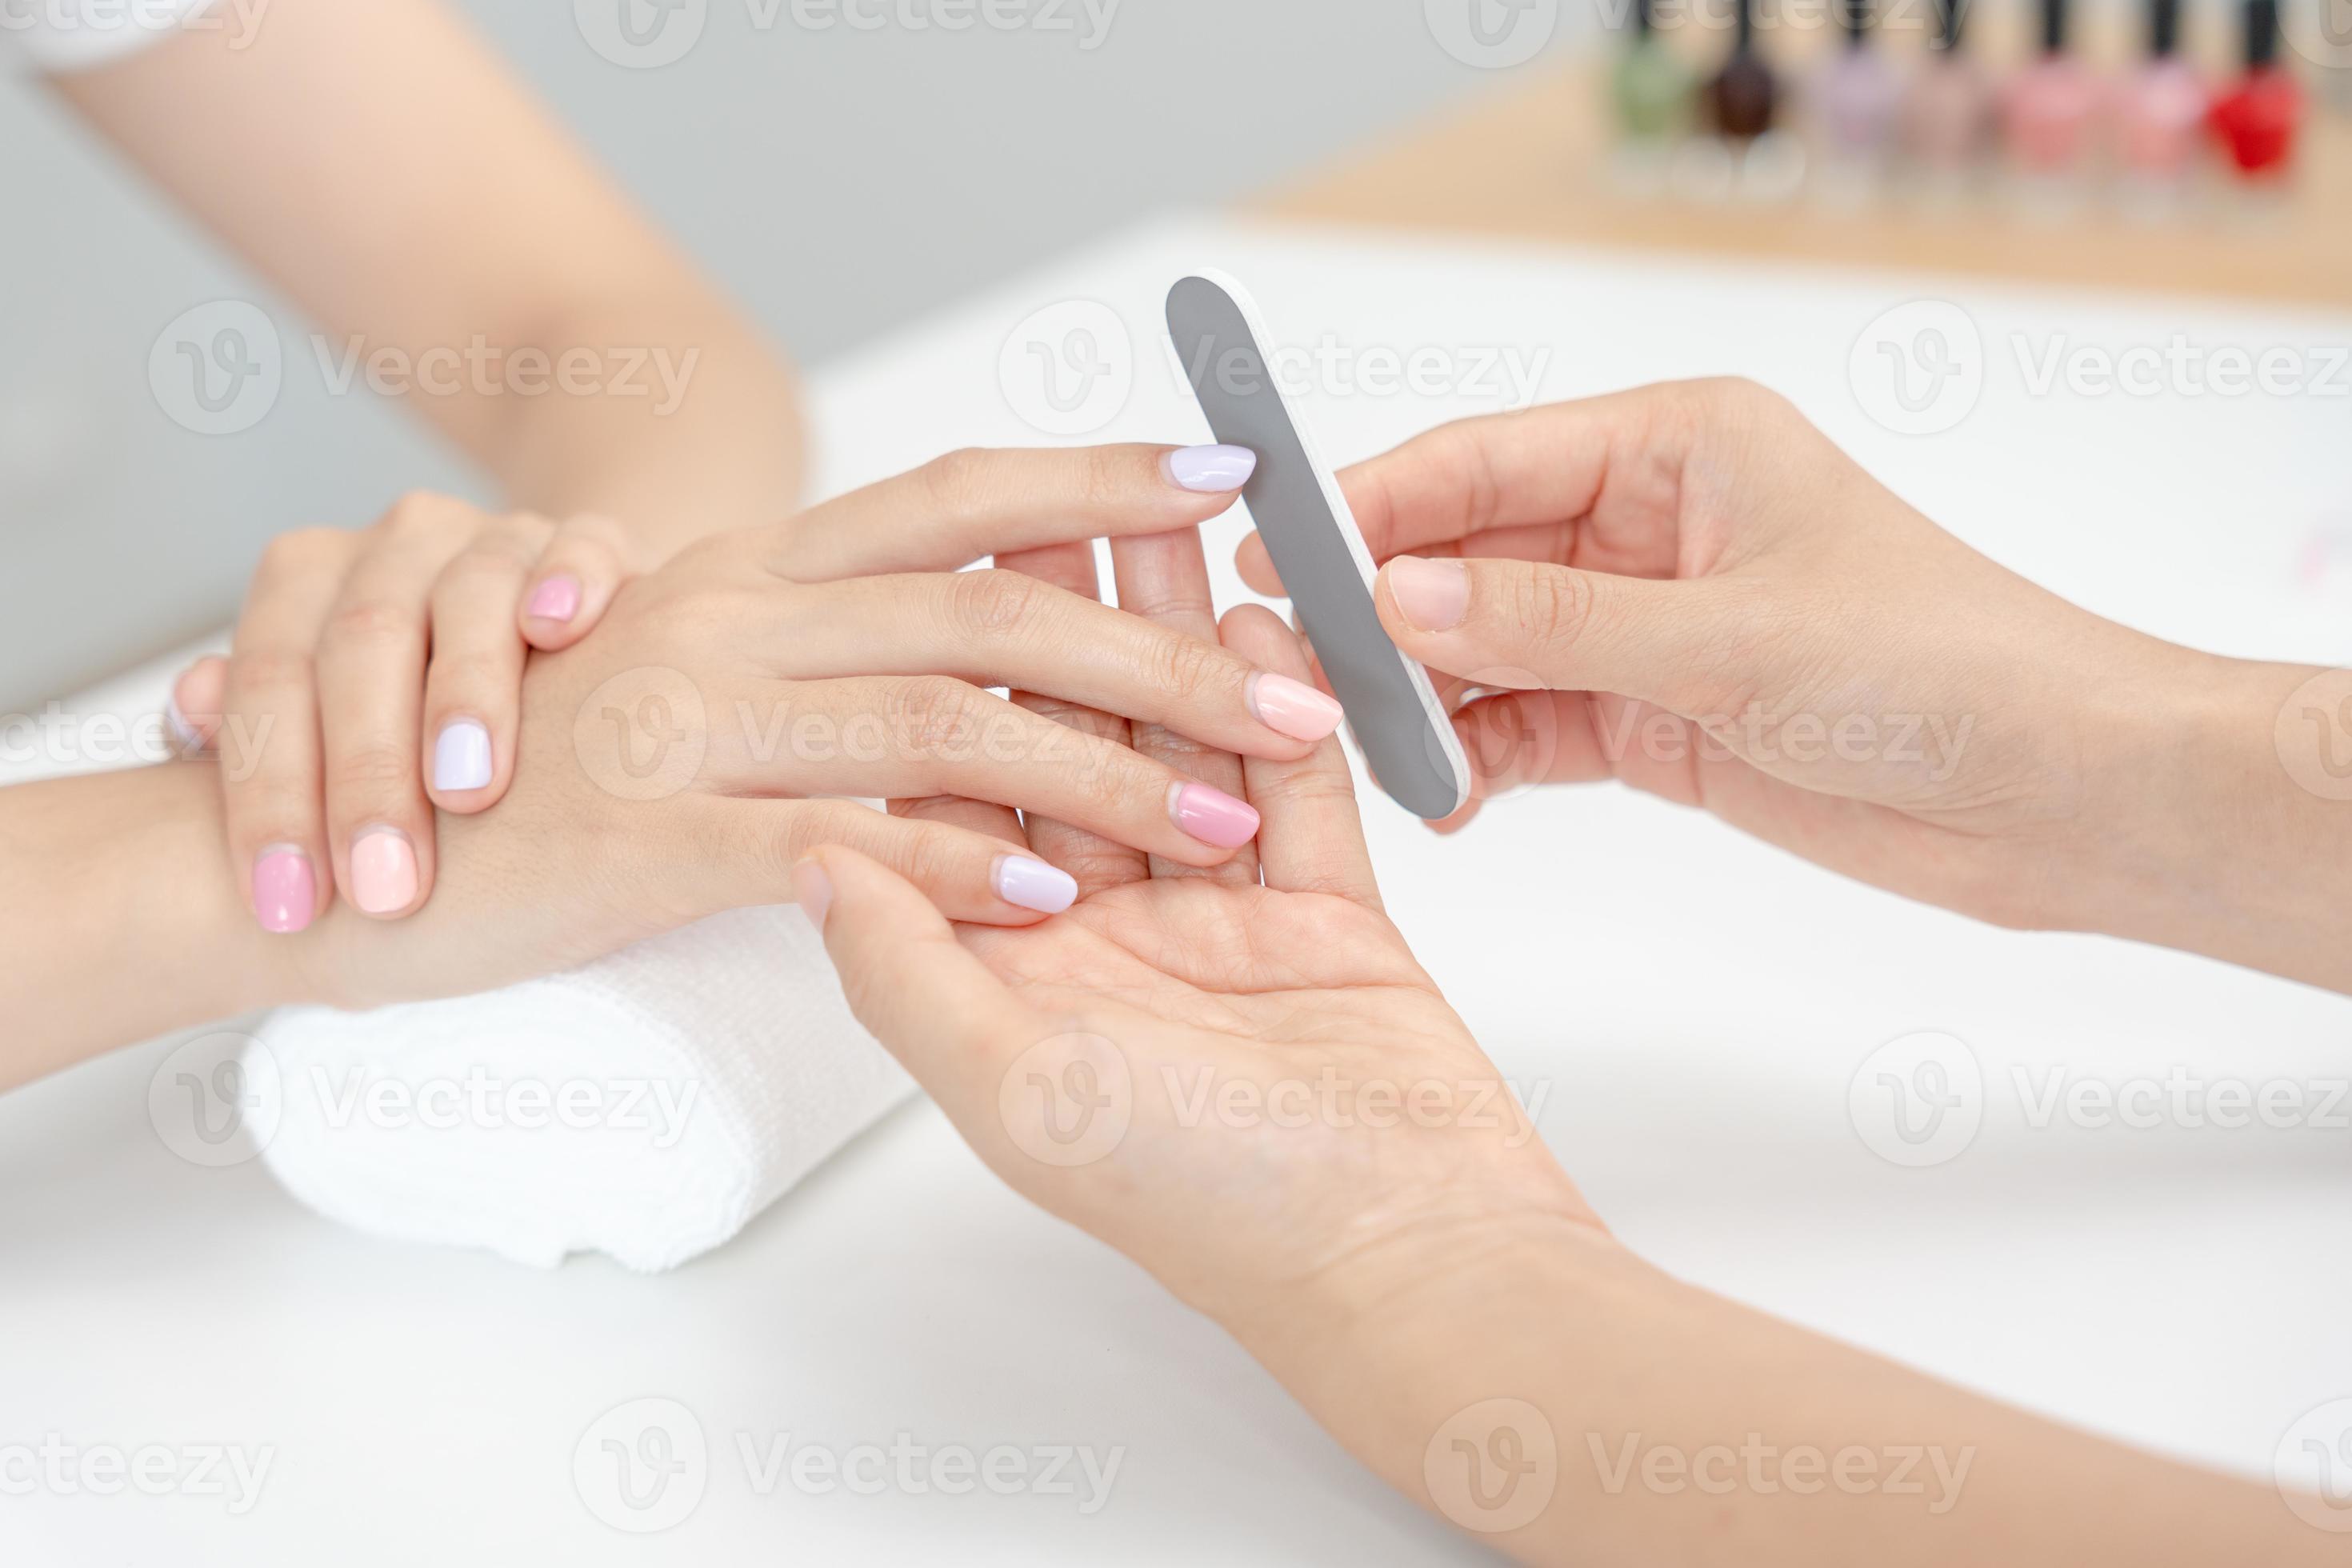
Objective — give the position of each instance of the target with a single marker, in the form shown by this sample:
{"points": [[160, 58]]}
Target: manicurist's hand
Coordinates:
{"points": [[1239, 1077], [1693, 591]]}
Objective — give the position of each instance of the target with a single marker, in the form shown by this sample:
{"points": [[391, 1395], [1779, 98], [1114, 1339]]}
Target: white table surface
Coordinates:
{"points": [[1695, 1004]]}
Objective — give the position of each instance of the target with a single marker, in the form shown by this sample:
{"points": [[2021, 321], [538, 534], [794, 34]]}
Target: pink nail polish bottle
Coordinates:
{"points": [[2164, 111], [2048, 112], [1952, 116], [1859, 99]]}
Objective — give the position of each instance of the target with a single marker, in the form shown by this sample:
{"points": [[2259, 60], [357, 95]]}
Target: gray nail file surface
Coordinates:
{"points": [[1405, 735]]}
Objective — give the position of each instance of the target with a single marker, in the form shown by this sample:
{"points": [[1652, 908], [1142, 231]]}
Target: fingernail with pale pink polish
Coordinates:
{"points": [[384, 871], [557, 599], [1293, 708], [1211, 815], [1434, 595], [1033, 885], [285, 893]]}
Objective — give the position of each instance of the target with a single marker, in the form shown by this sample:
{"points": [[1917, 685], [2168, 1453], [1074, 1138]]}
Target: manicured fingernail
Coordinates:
{"points": [[285, 893], [384, 870], [1210, 467], [461, 755], [1293, 708], [557, 599], [1434, 595], [1033, 884], [812, 891], [184, 738], [1211, 815]]}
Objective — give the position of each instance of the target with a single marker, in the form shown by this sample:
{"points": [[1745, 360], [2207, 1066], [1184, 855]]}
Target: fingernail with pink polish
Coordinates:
{"points": [[285, 893], [1211, 815], [1033, 885], [557, 599], [384, 871], [1293, 708]]}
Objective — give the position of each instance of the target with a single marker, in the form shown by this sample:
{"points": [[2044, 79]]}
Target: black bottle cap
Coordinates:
{"points": [[2053, 26], [2262, 33], [1855, 15], [2163, 27], [1744, 39], [1947, 31]]}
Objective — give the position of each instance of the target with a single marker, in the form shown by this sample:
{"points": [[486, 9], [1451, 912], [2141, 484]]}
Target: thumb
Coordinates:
{"points": [[1527, 624], [930, 1003]]}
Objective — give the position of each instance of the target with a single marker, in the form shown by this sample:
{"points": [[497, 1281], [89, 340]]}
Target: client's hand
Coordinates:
{"points": [[670, 765], [1699, 595]]}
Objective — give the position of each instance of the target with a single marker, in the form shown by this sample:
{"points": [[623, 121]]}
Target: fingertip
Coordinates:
{"points": [[1256, 567]]}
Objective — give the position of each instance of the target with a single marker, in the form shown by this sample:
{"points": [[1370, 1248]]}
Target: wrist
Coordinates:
{"points": [[2216, 825]]}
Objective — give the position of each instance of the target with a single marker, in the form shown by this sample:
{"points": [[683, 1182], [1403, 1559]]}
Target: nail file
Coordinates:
{"points": [[1407, 738]]}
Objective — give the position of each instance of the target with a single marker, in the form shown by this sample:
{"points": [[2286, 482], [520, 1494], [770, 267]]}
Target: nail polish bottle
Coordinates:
{"points": [[2257, 118], [1653, 89], [1652, 92], [2164, 110], [1951, 114], [1859, 97], [1743, 95], [2048, 110]]}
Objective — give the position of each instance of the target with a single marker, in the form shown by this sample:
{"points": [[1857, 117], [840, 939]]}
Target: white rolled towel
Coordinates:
{"points": [[645, 1105]]}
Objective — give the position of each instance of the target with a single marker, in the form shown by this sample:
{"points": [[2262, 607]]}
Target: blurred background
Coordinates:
{"points": [[843, 180]]}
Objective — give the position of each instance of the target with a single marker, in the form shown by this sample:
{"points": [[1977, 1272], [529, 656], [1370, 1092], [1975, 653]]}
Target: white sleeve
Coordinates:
{"points": [[57, 35]]}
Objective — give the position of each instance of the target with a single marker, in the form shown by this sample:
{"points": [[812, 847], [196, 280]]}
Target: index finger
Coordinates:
{"points": [[956, 509]]}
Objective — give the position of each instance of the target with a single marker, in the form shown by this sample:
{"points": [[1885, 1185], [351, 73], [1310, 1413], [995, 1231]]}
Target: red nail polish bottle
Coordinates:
{"points": [[2257, 119]]}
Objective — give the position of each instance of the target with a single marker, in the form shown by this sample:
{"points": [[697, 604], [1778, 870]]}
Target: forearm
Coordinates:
{"points": [[2227, 820], [122, 920], [1571, 1403]]}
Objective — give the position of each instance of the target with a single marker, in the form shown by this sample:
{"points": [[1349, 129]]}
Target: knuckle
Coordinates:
{"points": [[269, 670], [422, 513], [1557, 603], [302, 554], [1103, 477], [992, 601], [371, 768], [954, 482], [1185, 666], [370, 623], [929, 712], [471, 681]]}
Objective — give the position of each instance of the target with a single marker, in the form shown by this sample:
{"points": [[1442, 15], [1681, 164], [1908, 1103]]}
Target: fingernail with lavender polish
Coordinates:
{"points": [[1210, 468], [285, 893], [1033, 885], [1211, 815], [461, 755]]}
